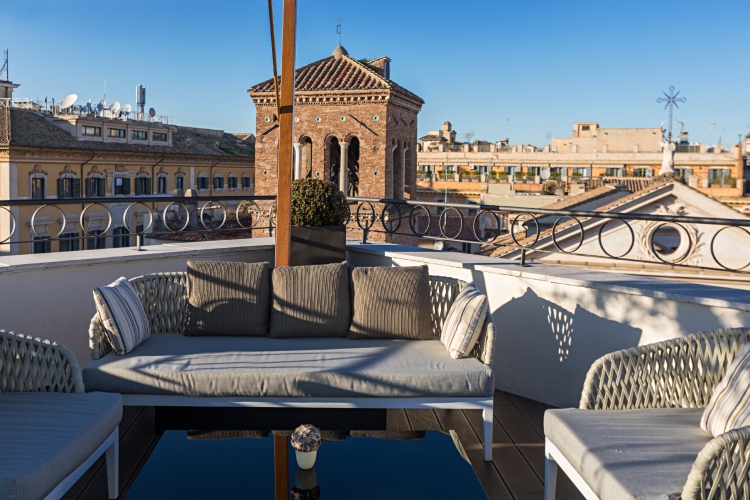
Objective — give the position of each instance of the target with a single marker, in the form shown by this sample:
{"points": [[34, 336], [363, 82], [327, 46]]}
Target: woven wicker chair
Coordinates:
{"points": [[32, 365], [677, 373]]}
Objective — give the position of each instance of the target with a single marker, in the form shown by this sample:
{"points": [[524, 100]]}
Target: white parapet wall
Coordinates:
{"points": [[51, 295], [553, 322]]}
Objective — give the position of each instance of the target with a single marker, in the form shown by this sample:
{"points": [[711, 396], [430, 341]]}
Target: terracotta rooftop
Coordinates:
{"points": [[336, 74], [33, 129], [432, 137]]}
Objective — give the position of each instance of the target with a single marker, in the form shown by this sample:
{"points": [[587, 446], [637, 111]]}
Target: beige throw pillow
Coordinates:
{"points": [[729, 406], [464, 322]]}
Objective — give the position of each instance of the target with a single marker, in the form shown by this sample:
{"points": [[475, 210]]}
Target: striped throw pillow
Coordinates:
{"points": [[122, 314], [729, 407], [464, 322]]}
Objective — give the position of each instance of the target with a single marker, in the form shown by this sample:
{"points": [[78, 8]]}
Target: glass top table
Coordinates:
{"points": [[426, 464]]}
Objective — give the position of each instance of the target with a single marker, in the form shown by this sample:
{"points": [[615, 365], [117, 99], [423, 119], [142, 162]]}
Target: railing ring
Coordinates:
{"points": [[223, 212], [257, 211], [348, 214], [372, 216], [513, 234], [554, 237], [601, 243], [713, 254], [272, 214], [83, 212], [187, 217], [383, 217], [474, 225], [444, 219], [14, 225], [33, 220], [677, 259], [125, 218], [411, 220]]}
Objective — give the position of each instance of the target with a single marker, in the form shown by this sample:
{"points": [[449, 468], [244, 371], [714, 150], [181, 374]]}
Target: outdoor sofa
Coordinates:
{"points": [[643, 439], [172, 369], [51, 432]]}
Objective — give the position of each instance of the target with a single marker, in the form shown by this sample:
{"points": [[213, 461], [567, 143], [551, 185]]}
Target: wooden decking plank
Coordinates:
{"points": [[488, 475], [423, 420], [501, 398], [508, 460], [397, 421], [524, 436], [532, 410]]}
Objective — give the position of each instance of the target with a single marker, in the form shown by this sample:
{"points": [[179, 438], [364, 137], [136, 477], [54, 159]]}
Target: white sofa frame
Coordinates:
{"points": [[154, 289]]}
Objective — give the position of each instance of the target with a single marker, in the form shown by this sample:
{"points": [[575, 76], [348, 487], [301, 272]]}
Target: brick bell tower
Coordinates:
{"points": [[353, 126]]}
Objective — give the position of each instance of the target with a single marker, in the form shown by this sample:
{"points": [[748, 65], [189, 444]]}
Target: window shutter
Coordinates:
{"points": [[138, 186], [148, 185], [61, 188], [76, 188], [126, 186], [89, 187], [102, 182]]}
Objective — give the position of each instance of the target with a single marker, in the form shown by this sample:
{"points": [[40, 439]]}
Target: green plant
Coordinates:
{"points": [[318, 203], [442, 174], [474, 174], [518, 176], [530, 176], [493, 175], [554, 175], [503, 176]]}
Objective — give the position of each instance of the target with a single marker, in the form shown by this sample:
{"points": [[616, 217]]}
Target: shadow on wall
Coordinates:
{"points": [[543, 351]]}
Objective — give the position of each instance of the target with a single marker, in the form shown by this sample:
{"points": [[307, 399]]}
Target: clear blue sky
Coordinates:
{"points": [[524, 68]]}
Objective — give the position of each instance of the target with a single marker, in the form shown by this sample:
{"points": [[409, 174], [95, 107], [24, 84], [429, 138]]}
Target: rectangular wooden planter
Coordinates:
{"points": [[313, 245]]}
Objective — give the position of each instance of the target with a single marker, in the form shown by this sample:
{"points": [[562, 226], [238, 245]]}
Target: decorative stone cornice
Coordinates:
{"points": [[61, 155]]}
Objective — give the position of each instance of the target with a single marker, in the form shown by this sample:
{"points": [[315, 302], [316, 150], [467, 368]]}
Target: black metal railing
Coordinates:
{"points": [[671, 239]]}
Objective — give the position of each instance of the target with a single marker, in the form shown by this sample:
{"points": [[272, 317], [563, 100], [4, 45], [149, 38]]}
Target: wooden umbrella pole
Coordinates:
{"points": [[273, 53], [286, 134]]}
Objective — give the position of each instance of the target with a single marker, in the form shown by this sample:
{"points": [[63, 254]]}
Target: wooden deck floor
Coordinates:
{"points": [[516, 471]]}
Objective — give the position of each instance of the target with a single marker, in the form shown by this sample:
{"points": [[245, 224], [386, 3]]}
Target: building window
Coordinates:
{"points": [[613, 172], [68, 187], [203, 182], [162, 179], [643, 172], [719, 177], [581, 172], [93, 131], [159, 136], [585, 128], [180, 182], [41, 245], [98, 242], [684, 173], [218, 182], [142, 185], [232, 182], [38, 188], [122, 186], [69, 242], [121, 238], [245, 181], [139, 135], [96, 187], [117, 132]]}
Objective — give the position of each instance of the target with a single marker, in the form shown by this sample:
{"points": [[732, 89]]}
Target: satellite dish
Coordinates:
{"points": [[115, 107], [127, 108], [439, 245], [545, 174], [68, 101], [151, 112]]}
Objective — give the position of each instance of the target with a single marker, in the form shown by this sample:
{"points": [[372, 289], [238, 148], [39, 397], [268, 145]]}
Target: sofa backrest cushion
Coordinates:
{"points": [[228, 298], [310, 301], [464, 322], [391, 303], [122, 314]]}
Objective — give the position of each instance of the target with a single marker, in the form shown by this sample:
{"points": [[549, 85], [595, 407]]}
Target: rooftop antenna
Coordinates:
{"points": [[4, 69], [671, 100], [140, 100], [104, 101], [338, 29]]}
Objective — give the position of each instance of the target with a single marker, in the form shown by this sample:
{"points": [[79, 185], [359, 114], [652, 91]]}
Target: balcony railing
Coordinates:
{"points": [[673, 240]]}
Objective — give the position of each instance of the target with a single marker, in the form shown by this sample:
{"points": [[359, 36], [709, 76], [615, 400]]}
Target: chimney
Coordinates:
{"points": [[382, 65]]}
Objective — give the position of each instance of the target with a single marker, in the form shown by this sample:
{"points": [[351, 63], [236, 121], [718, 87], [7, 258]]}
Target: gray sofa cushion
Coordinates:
{"points": [[391, 303], [46, 436], [262, 366], [644, 454], [310, 301], [228, 298]]}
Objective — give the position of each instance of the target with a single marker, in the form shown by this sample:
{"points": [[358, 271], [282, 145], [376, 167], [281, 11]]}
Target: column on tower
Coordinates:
{"points": [[344, 168], [297, 160]]}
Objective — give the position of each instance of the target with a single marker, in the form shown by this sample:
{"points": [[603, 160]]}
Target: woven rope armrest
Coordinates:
{"points": [[164, 297], [443, 291], [722, 469], [34, 365], [681, 372]]}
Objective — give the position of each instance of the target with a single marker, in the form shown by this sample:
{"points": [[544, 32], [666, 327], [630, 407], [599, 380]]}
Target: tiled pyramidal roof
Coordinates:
{"points": [[334, 73]]}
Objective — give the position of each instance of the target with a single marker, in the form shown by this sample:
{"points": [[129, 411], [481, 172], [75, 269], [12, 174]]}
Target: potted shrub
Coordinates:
{"points": [[319, 214], [519, 176], [474, 175], [503, 176]]}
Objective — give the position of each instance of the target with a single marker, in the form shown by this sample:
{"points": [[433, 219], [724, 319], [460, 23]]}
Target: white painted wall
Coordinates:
{"points": [[554, 322]]}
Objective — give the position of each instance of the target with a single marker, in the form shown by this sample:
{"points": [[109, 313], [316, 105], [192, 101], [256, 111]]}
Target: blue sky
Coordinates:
{"points": [[525, 68]]}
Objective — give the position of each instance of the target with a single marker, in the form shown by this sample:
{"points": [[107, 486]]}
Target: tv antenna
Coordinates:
{"points": [[338, 29], [671, 101], [4, 69]]}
